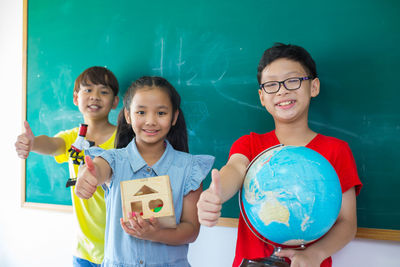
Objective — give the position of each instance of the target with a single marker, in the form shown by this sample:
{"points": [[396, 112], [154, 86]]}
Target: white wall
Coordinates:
{"points": [[27, 237], [43, 238]]}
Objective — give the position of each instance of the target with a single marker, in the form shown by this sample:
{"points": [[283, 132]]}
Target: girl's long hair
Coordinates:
{"points": [[177, 135]]}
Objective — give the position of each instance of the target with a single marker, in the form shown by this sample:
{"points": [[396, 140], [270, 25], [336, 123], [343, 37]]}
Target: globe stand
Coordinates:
{"points": [[272, 261]]}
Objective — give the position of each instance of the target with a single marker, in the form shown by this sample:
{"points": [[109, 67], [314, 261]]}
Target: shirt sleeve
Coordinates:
{"points": [[346, 169], [107, 155], [94, 152], [241, 146], [200, 167], [110, 157], [69, 139]]}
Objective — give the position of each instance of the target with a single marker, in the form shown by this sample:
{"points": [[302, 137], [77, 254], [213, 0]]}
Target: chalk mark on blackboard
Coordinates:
{"points": [[180, 63], [196, 112], [228, 97], [349, 133], [238, 101], [189, 81], [161, 59], [219, 78]]}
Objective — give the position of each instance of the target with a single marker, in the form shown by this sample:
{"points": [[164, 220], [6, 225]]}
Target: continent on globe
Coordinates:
{"points": [[273, 211]]}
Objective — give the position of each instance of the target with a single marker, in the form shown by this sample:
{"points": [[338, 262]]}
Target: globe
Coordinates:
{"points": [[291, 195]]}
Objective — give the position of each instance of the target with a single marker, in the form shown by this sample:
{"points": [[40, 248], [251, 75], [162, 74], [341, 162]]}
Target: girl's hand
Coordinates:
{"points": [[139, 227], [24, 142], [299, 258], [209, 205], [86, 184]]}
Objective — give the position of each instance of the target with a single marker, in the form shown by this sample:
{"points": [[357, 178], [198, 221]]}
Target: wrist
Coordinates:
{"points": [[32, 146], [317, 254]]}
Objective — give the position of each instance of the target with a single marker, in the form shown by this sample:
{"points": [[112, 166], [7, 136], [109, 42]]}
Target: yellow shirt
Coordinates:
{"points": [[90, 214]]}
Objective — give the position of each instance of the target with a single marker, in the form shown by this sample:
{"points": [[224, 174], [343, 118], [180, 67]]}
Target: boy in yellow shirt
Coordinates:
{"points": [[95, 94]]}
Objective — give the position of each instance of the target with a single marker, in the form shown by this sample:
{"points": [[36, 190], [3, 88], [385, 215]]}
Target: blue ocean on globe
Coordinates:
{"points": [[291, 195]]}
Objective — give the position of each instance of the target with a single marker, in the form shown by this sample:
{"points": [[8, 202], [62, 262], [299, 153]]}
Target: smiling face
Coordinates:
{"points": [[288, 106], [151, 116], [95, 101]]}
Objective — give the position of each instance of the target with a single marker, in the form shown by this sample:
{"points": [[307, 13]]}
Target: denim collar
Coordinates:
{"points": [[160, 167]]}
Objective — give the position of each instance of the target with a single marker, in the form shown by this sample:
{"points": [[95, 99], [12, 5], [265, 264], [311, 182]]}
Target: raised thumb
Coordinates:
{"points": [[216, 182], [90, 165], [28, 130]]}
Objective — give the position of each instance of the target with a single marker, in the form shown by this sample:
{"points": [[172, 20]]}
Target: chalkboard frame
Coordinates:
{"points": [[368, 233], [24, 203]]}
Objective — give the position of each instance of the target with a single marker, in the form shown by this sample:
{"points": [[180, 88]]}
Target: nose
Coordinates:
{"points": [[282, 89], [151, 119], [95, 95]]}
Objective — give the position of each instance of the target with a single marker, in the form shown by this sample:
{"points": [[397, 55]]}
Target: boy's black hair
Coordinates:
{"points": [[177, 135], [292, 52], [97, 75]]}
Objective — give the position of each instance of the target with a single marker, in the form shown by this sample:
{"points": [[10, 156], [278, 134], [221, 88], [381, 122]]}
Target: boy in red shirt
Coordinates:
{"points": [[288, 80]]}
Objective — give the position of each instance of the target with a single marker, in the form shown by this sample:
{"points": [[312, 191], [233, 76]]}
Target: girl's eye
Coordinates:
{"points": [[161, 113], [141, 112], [87, 90], [105, 92]]}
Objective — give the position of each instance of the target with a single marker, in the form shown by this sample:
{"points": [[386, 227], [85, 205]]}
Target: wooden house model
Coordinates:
{"points": [[150, 197]]}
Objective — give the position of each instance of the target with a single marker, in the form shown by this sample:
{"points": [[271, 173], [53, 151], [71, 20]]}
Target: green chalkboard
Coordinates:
{"points": [[209, 50]]}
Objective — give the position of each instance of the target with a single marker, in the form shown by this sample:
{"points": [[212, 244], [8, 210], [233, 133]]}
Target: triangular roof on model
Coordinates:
{"points": [[145, 190]]}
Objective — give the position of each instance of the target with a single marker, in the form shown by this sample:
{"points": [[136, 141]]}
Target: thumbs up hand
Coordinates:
{"points": [[24, 142], [210, 203], [87, 182], [90, 165]]}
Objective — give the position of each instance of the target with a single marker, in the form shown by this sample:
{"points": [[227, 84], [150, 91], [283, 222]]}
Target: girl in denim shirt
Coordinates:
{"points": [[151, 141]]}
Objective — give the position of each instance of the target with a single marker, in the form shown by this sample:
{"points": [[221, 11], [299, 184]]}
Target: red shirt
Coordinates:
{"points": [[336, 151]]}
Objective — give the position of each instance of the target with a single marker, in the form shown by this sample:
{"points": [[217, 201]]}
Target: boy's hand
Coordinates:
{"points": [[24, 142], [209, 205], [86, 183], [299, 258], [138, 227]]}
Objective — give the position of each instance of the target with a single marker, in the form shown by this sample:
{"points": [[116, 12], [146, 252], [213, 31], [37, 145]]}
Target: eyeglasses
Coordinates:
{"points": [[290, 84]]}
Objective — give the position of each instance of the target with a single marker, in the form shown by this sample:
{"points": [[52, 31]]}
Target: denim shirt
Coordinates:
{"points": [[186, 173]]}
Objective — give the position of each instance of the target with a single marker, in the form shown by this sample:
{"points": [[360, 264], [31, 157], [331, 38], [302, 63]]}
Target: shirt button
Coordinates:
{"points": [[141, 262], [148, 169]]}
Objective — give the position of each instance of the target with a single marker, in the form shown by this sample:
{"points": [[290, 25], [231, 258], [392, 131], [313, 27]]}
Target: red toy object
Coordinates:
{"points": [[77, 147], [80, 144]]}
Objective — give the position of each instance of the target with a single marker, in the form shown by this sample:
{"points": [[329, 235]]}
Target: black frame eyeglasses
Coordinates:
{"points": [[293, 83]]}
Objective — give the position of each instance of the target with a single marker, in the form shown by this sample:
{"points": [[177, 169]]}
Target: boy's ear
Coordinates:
{"points": [[127, 116], [175, 118], [260, 93], [115, 102], [315, 84], [75, 98]]}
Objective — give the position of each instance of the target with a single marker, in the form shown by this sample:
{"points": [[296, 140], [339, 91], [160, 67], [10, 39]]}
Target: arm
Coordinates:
{"points": [[185, 232], [53, 146], [91, 175], [341, 233], [42, 144], [224, 185]]}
